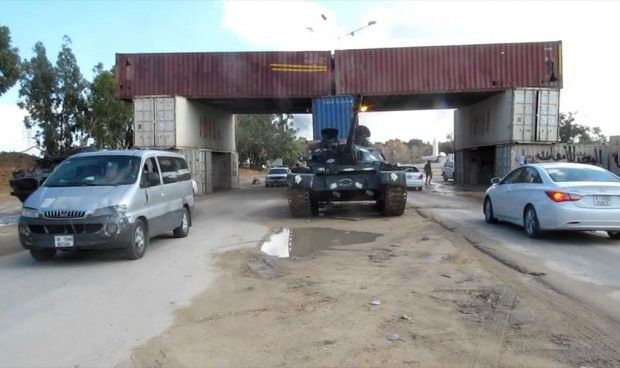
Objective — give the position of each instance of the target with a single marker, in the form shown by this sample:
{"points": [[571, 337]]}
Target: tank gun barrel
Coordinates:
{"points": [[357, 103]]}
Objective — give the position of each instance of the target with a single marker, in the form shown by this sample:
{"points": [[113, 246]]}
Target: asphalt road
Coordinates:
{"points": [[583, 265], [89, 309]]}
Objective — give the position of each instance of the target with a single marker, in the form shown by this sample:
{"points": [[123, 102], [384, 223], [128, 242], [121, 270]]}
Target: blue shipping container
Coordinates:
{"points": [[332, 112]]}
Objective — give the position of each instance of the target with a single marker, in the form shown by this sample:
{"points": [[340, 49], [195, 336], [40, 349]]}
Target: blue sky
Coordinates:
{"points": [[99, 29]]}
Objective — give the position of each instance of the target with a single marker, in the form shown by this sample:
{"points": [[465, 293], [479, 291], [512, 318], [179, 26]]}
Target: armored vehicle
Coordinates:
{"points": [[340, 171], [24, 183]]}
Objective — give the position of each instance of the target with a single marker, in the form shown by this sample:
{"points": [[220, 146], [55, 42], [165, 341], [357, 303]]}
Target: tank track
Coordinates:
{"points": [[299, 202], [394, 201]]}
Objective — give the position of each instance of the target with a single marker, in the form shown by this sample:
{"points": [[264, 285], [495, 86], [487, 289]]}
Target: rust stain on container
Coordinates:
{"points": [[437, 69], [224, 74]]}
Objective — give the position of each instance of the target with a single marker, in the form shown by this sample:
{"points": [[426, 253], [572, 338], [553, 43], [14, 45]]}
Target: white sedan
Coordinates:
{"points": [[415, 179], [556, 196]]}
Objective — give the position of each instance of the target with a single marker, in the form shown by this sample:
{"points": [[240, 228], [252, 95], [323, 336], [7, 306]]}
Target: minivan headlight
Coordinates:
{"points": [[110, 210], [30, 212]]}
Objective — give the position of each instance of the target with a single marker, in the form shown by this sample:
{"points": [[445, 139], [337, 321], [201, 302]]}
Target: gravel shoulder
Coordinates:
{"points": [[442, 303]]}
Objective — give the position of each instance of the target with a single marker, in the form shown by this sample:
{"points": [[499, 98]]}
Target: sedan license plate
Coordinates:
{"points": [[62, 241], [602, 201]]}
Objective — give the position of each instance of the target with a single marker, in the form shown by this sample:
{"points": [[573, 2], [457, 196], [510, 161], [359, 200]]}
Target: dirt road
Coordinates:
{"points": [[412, 294]]}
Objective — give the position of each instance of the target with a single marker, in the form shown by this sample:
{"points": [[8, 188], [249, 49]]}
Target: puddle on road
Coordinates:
{"points": [[298, 242], [6, 220]]}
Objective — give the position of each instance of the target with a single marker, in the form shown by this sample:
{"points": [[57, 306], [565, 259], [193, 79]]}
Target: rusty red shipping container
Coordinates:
{"points": [[437, 69], [224, 74]]}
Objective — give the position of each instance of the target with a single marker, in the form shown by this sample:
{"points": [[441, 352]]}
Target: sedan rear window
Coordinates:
{"points": [[278, 171], [563, 174]]}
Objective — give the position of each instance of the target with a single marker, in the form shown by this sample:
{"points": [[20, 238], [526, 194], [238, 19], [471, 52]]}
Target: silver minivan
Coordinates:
{"points": [[108, 199]]}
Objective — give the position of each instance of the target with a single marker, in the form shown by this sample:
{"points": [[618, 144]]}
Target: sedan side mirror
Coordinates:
{"points": [[495, 180]]}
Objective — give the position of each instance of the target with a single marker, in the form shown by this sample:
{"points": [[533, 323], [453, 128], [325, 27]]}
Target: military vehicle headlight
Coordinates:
{"points": [[30, 212]]}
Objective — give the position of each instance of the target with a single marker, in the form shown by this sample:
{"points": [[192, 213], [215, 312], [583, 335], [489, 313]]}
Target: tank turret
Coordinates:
{"points": [[351, 170]]}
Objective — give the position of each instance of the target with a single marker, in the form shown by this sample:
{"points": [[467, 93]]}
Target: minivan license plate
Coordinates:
{"points": [[61, 241], [602, 201]]}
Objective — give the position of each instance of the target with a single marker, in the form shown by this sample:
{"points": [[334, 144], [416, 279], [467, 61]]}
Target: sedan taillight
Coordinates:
{"points": [[421, 176], [563, 197]]}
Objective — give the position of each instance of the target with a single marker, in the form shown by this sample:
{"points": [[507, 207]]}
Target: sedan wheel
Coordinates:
{"points": [[530, 222], [614, 235], [488, 212]]}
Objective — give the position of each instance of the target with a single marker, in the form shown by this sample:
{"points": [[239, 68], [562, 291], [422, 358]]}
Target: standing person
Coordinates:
{"points": [[429, 172]]}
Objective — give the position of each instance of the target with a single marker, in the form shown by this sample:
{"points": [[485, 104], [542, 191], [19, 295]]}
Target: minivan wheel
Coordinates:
{"points": [[530, 222], [445, 177], [42, 255], [183, 229], [488, 212], [138, 242], [614, 235]]}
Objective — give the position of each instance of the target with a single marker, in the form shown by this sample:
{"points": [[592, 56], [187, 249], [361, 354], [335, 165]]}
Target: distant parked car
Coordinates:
{"points": [[415, 178], [447, 171], [556, 196], [277, 177]]}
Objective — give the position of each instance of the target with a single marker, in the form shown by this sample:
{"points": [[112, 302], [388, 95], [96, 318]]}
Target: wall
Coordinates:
{"points": [[485, 123], [199, 125], [606, 156]]}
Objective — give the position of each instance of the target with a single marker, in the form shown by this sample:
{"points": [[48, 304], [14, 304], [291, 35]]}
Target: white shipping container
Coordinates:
{"points": [[165, 122], [177, 122], [514, 116], [504, 159], [234, 165], [144, 128], [485, 123]]}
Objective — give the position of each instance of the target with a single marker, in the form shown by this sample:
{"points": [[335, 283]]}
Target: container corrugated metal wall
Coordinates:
{"points": [[503, 159], [332, 112], [154, 121], [224, 74], [434, 69], [548, 116]]}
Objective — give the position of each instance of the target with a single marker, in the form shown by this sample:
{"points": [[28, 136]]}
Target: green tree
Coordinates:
{"points": [[107, 119], [285, 144], [37, 96], [418, 148], [54, 97], [9, 61], [571, 132], [260, 138], [70, 94], [251, 139], [448, 145]]}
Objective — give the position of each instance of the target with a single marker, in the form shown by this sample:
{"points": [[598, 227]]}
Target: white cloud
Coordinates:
{"points": [[280, 25], [14, 136], [589, 32]]}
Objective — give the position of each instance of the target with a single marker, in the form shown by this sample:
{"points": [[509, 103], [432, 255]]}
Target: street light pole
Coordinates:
{"points": [[352, 33]]}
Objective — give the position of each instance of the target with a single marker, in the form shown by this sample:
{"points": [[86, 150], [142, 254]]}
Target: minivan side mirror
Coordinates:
{"points": [[495, 180]]}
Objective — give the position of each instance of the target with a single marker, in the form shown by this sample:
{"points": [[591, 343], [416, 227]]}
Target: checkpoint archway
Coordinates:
{"points": [[506, 96]]}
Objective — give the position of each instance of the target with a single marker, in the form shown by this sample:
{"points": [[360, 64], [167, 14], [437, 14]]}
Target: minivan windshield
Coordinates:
{"points": [[97, 170]]}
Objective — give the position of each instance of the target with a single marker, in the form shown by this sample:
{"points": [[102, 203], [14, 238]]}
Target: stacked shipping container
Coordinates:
{"points": [[444, 69]]}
